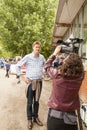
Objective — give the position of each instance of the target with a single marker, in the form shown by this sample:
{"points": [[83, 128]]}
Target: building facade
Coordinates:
{"points": [[71, 22]]}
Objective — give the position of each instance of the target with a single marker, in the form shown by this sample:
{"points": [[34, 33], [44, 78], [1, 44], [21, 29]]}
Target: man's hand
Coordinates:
{"points": [[26, 80]]}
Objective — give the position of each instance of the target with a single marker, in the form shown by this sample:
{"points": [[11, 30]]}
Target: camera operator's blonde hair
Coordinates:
{"points": [[36, 43]]}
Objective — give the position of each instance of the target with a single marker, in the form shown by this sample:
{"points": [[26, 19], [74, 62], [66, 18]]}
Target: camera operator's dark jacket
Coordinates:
{"points": [[64, 96]]}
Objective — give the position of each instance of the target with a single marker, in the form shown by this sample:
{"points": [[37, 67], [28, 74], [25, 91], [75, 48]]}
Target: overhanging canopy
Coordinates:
{"points": [[66, 13]]}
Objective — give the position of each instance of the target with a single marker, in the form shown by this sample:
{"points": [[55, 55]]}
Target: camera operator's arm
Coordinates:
{"points": [[49, 68], [57, 51]]}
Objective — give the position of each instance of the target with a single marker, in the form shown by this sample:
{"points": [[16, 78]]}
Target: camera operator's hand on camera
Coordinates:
{"points": [[57, 50]]}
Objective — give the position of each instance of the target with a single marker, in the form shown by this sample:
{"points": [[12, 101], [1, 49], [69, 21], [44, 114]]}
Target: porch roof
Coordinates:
{"points": [[66, 13]]}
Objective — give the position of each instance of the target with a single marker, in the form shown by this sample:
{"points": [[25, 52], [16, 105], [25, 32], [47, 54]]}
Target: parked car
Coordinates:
{"points": [[23, 69], [13, 69]]}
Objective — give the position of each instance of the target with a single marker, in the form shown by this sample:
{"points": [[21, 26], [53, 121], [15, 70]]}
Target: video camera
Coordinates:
{"points": [[72, 46]]}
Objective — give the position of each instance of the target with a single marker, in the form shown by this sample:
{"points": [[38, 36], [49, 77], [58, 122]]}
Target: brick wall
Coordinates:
{"points": [[83, 89]]}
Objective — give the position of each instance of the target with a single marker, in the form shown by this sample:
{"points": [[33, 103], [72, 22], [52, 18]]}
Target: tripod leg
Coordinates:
{"points": [[79, 120]]}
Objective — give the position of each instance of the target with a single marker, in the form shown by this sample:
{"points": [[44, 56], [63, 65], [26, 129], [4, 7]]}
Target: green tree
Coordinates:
{"points": [[24, 21]]}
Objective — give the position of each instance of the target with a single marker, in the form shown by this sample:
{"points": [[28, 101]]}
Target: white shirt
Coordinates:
{"points": [[34, 66]]}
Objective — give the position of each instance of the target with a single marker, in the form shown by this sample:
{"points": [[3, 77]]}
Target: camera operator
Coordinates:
{"points": [[64, 99]]}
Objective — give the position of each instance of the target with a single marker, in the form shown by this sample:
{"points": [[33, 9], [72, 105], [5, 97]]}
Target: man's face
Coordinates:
{"points": [[37, 49]]}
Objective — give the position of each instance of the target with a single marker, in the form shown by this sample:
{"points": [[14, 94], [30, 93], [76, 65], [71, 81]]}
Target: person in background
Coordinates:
{"points": [[7, 66], [34, 74], [64, 99], [18, 73]]}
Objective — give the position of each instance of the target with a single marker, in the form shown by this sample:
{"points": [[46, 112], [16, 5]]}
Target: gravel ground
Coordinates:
{"points": [[13, 104]]}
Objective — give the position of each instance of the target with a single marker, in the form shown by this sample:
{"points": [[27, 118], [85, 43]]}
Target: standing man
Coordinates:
{"points": [[34, 73]]}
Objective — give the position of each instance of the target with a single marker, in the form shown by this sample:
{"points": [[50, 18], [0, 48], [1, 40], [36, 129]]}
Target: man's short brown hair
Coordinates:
{"points": [[36, 43]]}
